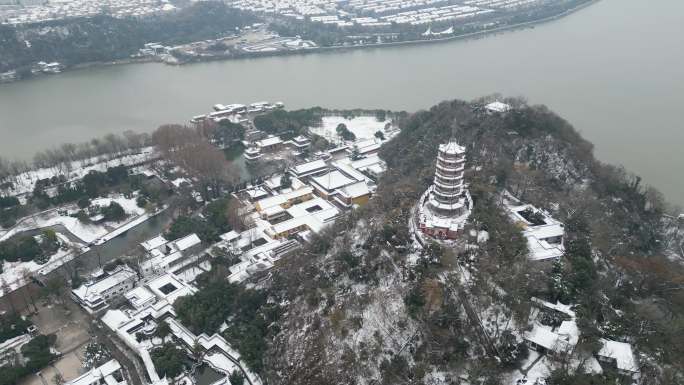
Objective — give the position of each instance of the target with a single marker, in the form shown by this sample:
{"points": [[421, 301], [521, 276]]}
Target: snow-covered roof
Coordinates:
{"points": [[542, 250], [273, 182], [306, 168], [187, 242], [333, 180], [170, 287], [105, 373], [229, 236], [273, 210], [279, 199], [91, 291], [539, 237], [140, 297], [369, 161], [621, 352], [542, 336], [350, 171], [269, 141], [301, 139], [558, 306], [562, 340], [355, 190], [314, 214], [546, 231], [452, 148], [318, 207], [179, 181], [256, 192], [498, 107], [154, 243]]}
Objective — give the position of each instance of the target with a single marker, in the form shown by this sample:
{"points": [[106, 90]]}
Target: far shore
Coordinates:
{"points": [[473, 35]]}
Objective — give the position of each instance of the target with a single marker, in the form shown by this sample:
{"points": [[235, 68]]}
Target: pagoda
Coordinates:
{"points": [[446, 205]]}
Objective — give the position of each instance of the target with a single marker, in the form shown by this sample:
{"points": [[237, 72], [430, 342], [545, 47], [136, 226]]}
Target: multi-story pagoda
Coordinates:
{"points": [[446, 205]]}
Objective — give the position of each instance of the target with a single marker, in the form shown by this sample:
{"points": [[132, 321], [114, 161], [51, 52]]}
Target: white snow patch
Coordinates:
{"points": [[364, 127], [129, 205]]}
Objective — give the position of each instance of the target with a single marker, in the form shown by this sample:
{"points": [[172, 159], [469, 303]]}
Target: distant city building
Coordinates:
{"points": [[446, 205]]}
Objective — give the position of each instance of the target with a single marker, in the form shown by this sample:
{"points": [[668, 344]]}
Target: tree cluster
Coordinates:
{"points": [[245, 311], [103, 38], [168, 360], [292, 123], [12, 325], [26, 248], [36, 354], [193, 152]]}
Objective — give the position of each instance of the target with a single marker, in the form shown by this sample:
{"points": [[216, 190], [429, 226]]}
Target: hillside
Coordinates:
{"points": [[105, 38], [365, 304]]}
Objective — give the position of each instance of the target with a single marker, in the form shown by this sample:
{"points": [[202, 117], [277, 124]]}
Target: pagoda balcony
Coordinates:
{"points": [[450, 169], [451, 158], [448, 186]]}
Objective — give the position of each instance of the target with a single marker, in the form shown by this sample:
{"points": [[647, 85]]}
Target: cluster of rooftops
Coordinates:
{"points": [[553, 329]]}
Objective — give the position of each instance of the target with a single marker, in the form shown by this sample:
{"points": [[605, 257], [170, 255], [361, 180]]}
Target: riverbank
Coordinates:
{"points": [[319, 49], [472, 35]]}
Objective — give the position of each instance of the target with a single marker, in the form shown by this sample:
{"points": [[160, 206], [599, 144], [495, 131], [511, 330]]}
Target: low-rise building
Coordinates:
{"points": [[104, 287], [108, 373], [150, 304], [544, 234], [619, 355], [256, 249], [252, 154], [326, 185], [553, 328], [311, 168], [310, 216], [284, 200], [371, 165], [270, 143], [301, 142], [163, 256], [366, 147]]}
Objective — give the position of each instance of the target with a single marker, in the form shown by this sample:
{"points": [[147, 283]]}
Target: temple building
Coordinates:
{"points": [[446, 205]]}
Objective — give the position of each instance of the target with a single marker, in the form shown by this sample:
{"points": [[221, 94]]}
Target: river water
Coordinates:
{"points": [[615, 70]]}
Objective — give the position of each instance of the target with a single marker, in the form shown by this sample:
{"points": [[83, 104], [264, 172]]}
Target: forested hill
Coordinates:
{"points": [[361, 306], [104, 38]]}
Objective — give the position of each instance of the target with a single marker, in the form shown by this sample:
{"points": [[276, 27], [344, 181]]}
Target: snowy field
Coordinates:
{"points": [[364, 127], [14, 274], [128, 204], [24, 182]]}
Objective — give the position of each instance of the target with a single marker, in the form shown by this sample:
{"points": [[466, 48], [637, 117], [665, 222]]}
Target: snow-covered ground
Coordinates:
{"points": [[128, 204], [25, 182], [88, 233], [85, 232], [14, 274], [364, 127]]}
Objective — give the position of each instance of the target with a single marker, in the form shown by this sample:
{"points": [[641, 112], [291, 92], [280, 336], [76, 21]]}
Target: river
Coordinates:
{"points": [[615, 70]]}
